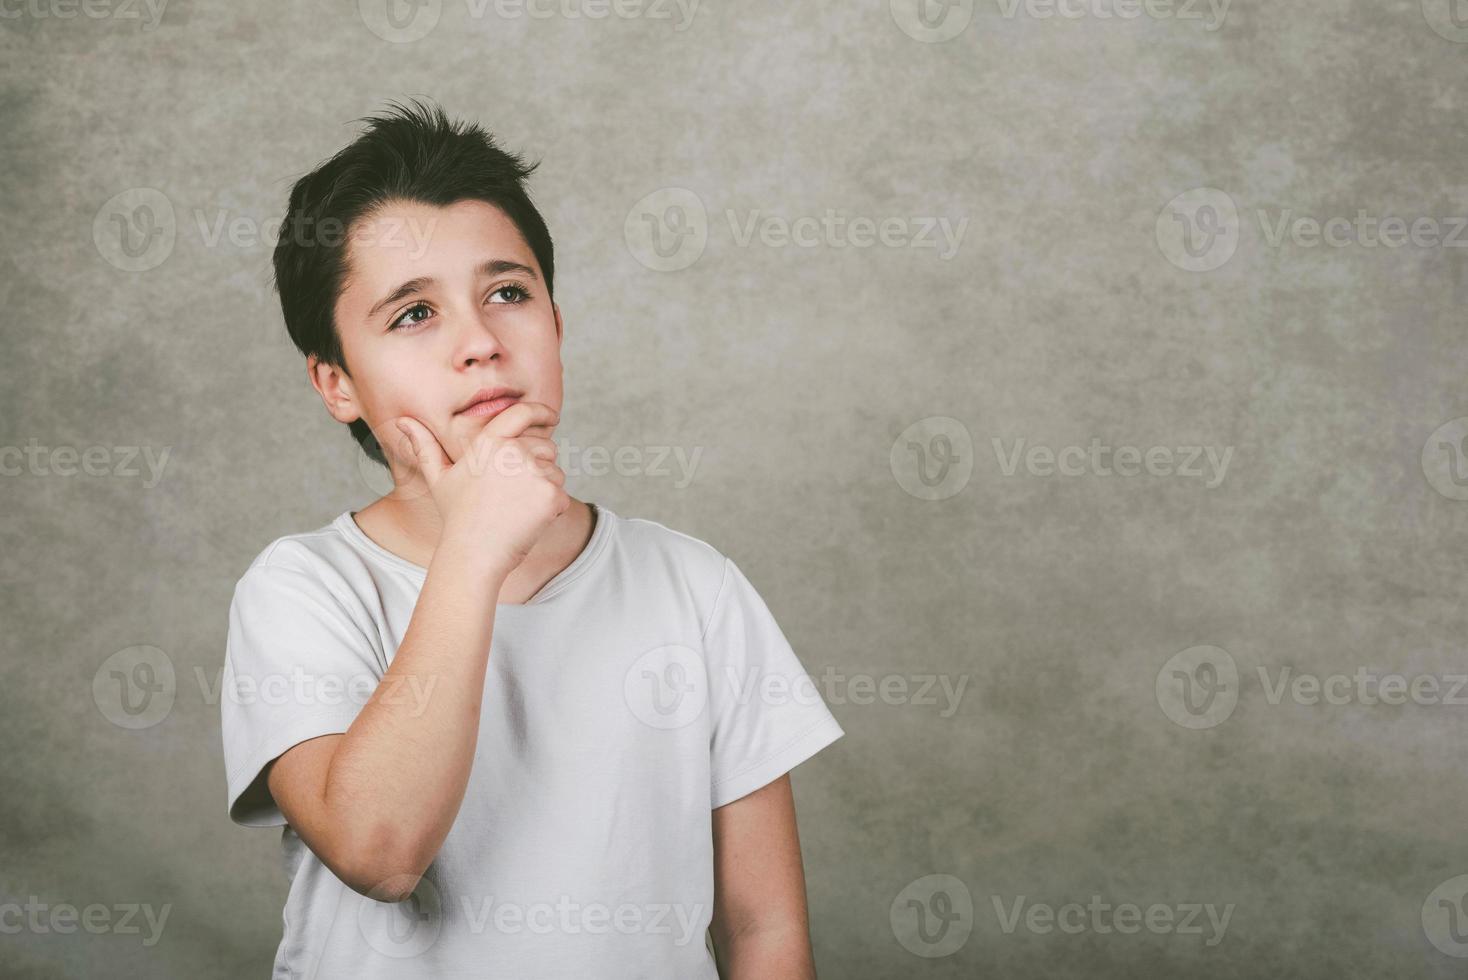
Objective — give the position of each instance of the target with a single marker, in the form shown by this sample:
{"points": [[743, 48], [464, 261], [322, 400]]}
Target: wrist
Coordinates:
{"points": [[470, 554]]}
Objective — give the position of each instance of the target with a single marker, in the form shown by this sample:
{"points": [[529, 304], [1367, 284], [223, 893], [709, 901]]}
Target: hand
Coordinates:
{"points": [[505, 489]]}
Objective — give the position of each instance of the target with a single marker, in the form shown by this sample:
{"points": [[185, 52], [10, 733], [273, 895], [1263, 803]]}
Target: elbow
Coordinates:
{"points": [[393, 888], [386, 868]]}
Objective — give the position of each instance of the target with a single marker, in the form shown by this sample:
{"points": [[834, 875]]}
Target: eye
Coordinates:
{"points": [[406, 321], [520, 292]]}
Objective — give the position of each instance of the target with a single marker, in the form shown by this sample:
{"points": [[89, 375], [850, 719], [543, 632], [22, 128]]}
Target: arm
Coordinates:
{"points": [[375, 803], [760, 926], [364, 801]]}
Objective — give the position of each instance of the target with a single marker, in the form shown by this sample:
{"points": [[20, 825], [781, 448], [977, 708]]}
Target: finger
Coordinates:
{"points": [[540, 452], [537, 463], [539, 446], [424, 448], [520, 416], [507, 457]]}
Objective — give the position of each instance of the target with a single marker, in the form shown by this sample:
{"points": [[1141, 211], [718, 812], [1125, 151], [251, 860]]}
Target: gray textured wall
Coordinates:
{"points": [[1129, 261]]}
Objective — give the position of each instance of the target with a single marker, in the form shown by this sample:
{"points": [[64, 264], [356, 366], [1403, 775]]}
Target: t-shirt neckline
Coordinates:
{"points": [[600, 534]]}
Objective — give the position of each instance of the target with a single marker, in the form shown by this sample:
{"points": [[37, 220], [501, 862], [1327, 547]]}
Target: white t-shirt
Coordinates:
{"points": [[643, 686]]}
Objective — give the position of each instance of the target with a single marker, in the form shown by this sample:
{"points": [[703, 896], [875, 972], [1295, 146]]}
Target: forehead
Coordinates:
{"points": [[405, 239]]}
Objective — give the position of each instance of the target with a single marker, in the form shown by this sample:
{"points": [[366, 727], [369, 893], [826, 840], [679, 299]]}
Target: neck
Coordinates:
{"points": [[407, 523]]}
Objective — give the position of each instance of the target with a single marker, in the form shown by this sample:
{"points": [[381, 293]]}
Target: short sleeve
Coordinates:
{"points": [[767, 712], [296, 666]]}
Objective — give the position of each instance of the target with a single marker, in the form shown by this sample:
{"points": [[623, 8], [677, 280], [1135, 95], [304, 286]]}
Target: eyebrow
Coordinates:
{"points": [[493, 267]]}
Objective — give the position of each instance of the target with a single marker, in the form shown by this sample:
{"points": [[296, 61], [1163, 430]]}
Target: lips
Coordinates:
{"points": [[489, 401]]}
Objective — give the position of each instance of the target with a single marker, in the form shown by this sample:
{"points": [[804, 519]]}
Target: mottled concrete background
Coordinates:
{"points": [[1044, 247]]}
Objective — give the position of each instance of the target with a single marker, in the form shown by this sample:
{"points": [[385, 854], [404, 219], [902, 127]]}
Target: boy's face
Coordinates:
{"points": [[438, 303]]}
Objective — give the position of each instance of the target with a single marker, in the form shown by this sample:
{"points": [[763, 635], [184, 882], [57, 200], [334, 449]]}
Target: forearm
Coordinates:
{"points": [[773, 953], [398, 777]]}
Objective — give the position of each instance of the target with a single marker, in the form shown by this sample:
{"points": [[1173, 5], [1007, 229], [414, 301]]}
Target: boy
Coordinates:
{"points": [[507, 733]]}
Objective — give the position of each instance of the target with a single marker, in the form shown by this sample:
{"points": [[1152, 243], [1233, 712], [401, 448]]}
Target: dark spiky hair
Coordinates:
{"points": [[410, 153]]}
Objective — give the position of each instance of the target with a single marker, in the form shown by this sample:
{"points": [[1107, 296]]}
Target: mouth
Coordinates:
{"points": [[489, 401]]}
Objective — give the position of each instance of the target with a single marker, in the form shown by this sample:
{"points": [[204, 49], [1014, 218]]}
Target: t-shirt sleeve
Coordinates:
{"points": [[767, 713], [296, 666]]}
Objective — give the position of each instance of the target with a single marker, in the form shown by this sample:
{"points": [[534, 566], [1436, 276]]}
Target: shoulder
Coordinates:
{"points": [[304, 599], [320, 561], [653, 547]]}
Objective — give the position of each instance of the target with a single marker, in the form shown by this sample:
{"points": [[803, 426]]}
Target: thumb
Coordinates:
{"points": [[423, 449]]}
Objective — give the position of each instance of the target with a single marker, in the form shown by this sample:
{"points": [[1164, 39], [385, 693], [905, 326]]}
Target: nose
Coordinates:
{"points": [[476, 342]]}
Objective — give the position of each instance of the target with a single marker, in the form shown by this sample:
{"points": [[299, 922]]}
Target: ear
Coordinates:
{"points": [[335, 389], [560, 336]]}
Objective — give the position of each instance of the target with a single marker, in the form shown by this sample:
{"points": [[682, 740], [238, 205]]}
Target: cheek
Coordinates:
{"points": [[547, 355], [395, 391]]}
